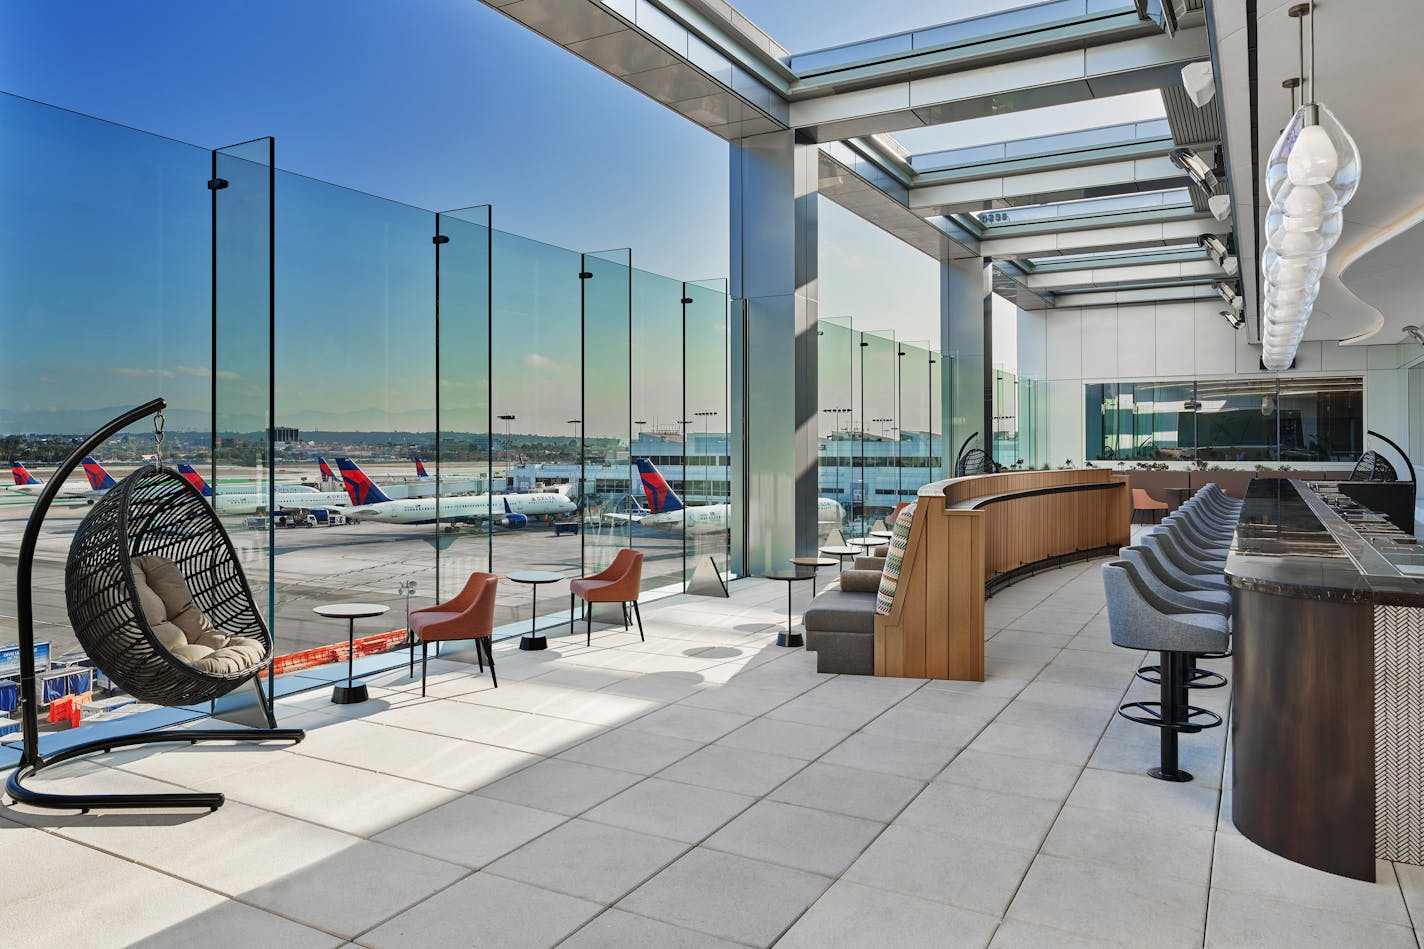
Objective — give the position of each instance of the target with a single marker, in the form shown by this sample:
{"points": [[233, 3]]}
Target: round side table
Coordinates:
{"points": [[841, 553], [532, 641], [787, 637], [815, 563], [353, 691]]}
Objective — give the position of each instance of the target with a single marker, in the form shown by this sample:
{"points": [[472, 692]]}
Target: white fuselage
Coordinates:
{"points": [[706, 518], [472, 507], [231, 502]]}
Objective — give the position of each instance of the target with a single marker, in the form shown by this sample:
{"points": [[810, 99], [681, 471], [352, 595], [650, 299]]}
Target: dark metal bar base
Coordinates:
{"points": [[1163, 775], [211, 800], [787, 638], [533, 643], [349, 694]]}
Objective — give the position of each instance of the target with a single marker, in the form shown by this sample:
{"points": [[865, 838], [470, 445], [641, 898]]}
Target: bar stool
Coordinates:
{"points": [[1203, 570], [1197, 601], [1137, 619]]}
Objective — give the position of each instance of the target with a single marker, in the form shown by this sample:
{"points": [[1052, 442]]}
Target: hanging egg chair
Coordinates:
{"points": [[159, 602]]}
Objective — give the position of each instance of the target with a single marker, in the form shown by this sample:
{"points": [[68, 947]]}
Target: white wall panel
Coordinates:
{"points": [[1033, 343], [1337, 358], [1216, 341], [1100, 344], [1175, 339], [1065, 344], [1137, 341]]}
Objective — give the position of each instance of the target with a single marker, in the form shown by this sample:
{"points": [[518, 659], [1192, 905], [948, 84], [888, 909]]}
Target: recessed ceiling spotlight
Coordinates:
{"points": [[1202, 174]]}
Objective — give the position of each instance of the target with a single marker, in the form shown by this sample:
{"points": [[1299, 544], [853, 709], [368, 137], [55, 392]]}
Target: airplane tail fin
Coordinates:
{"points": [[22, 477], [190, 475], [326, 473], [99, 479], [420, 471], [359, 487], [662, 499]]}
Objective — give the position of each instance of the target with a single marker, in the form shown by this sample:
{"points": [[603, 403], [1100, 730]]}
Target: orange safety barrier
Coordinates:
{"points": [[327, 655]]}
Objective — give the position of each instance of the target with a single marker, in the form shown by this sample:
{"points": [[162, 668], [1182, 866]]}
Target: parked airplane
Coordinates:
{"points": [[99, 481], [250, 501], [326, 473], [666, 512], [420, 471], [505, 510]]}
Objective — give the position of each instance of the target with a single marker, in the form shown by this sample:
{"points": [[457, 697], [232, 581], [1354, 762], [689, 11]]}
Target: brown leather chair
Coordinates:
{"points": [[619, 583], [469, 616], [1142, 501]]}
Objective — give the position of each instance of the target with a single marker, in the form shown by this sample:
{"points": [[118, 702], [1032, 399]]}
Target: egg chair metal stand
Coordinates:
{"points": [[152, 511]]}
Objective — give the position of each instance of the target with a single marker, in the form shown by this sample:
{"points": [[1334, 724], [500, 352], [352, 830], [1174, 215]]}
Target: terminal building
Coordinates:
{"points": [[975, 503]]}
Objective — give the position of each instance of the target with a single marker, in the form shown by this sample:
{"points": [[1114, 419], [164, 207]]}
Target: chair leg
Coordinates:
{"points": [[489, 654], [625, 616], [639, 615], [572, 615], [588, 622], [424, 662], [1173, 710], [480, 658]]}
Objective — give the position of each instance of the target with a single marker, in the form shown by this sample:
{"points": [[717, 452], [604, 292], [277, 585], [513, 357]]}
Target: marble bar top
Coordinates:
{"points": [[1290, 542]]}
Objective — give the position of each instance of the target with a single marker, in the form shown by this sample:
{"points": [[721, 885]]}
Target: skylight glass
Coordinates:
{"points": [[1030, 123]]}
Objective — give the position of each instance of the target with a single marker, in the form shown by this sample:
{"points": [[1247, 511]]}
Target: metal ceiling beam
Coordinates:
{"points": [[1123, 236], [1048, 187], [1195, 271], [903, 101]]}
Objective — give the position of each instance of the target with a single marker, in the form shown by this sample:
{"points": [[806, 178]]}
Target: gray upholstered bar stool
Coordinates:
{"points": [[1175, 578], [1137, 619], [1198, 601], [1192, 538], [1204, 569], [1208, 524]]}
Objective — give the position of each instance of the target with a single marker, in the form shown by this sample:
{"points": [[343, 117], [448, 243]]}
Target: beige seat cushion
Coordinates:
{"points": [[236, 655], [150, 602], [169, 635], [165, 578]]}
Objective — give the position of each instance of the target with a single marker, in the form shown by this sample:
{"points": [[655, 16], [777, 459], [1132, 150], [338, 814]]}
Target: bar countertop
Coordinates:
{"points": [[1291, 542]]}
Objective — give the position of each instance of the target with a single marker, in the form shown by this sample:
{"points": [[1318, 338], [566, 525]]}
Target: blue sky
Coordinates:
{"points": [[447, 104]]}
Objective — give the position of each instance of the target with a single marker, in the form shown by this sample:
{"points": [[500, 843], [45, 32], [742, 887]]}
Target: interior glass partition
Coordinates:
{"points": [[837, 362], [606, 411], [356, 382], [659, 354], [105, 303], [880, 449], [536, 379], [1321, 420], [1236, 420], [706, 407], [916, 460], [464, 434], [939, 465], [1006, 418]]}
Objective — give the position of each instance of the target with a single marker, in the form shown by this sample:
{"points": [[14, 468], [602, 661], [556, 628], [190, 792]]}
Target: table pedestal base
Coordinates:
{"points": [[531, 643], [349, 694], [790, 638]]}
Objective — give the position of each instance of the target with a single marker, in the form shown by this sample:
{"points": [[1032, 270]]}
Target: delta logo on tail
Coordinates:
{"points": [[190, 475], [359, 487], [662, 499], [420, 471], [99, 479], [23, 477], [326, 473]]}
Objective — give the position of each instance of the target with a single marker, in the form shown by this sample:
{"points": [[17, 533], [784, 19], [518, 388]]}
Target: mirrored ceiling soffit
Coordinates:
{"points": [[936, 135]]}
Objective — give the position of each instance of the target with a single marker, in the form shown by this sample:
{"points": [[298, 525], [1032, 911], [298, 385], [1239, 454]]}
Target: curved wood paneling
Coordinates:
{"points": [[980, 531]]}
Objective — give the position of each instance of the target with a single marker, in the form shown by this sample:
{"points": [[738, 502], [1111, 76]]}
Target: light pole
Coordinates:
{"points": [[706, 466], [683, 423], [507, 454]]}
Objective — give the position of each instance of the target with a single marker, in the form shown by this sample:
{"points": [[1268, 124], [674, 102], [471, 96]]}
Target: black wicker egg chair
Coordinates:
{"points": [[155, 512]]}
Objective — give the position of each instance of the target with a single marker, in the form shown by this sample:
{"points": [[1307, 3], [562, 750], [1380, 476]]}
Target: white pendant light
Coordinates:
{"points": [[1313, 159]]}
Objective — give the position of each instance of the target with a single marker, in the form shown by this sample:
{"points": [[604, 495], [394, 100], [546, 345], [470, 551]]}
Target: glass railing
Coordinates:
{"points": [[1101, 137], [1023, 19], [433, 398]]}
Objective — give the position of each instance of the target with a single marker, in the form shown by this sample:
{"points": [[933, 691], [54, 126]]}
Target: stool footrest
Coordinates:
{"points": [[1150, 713], [1196, 678]]}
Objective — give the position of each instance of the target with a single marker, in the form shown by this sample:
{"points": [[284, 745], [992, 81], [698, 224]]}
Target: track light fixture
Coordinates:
{"points": [[1219, 252], [1237, 320], [1200, 83], [1228, 292], [1202, 174], [1416, 332]]}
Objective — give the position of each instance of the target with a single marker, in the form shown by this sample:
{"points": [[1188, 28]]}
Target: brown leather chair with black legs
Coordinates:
{"points": [[619, 583], [469, 616]]}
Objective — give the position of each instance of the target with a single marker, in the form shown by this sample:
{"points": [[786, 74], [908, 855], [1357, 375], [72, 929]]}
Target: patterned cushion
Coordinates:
{"points": [[890, 578]]}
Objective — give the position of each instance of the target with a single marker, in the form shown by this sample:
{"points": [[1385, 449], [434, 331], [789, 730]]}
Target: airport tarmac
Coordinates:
{"points": [[360, 562]]}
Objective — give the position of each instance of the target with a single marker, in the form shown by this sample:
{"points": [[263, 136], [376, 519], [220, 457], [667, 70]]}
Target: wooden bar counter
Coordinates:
{"points": [[974, 534]]}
